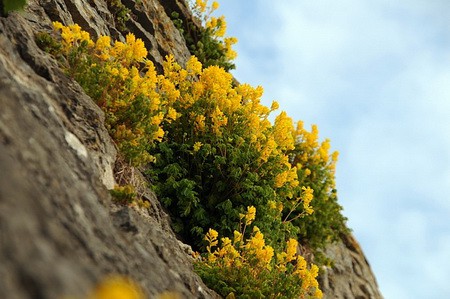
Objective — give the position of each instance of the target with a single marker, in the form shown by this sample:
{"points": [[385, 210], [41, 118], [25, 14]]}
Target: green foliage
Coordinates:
{"points": [[204, 43], [316, 169], [120, 12], [48, 43], [121, 81], [206, 188], [127, 195], [216, 158], [215, 155], [248, 268], [7, 6], [208, 49], [123, 194], [213, 149]]}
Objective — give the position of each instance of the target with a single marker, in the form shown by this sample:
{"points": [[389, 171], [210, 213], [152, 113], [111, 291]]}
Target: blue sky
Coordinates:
{"points": [[374, 75]]}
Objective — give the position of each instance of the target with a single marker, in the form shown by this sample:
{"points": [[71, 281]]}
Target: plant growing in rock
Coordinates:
{"points": [[221, 154], [207, 42], [248, 268], [124, 84], [316, 168], [120, 12], [123, 194], [213, 148], [127, 195]]}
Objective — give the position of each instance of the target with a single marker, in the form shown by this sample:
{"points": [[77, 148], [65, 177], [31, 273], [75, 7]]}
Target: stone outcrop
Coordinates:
{"points": [[60, 233], [351, 275]]}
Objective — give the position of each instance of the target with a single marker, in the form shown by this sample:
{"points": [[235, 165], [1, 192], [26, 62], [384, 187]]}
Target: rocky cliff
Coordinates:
{"points": [[60, 233]]}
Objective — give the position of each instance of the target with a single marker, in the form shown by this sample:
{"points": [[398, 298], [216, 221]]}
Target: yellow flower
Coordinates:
{"points": [[219, 120], [283, 131], [117, 287], [268, 149], [265, 255], [307, 197], [221, 27], [197, 146], [103, 43], [250, 215], [274, 106], [136, 47], [58, 25], [237, 237], [199, 123], [226, 242], [114, 71], [159, 134], [291, 249], [124, 73], [280, 179], [256, 242], [230, 54], [272, 205], [200, 5], [171, 114], [157, 119], [211, 238], [193, 66]]}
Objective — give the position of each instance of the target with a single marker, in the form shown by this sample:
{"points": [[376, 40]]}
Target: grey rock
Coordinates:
{"points": [[60, 234], [351, 276]]}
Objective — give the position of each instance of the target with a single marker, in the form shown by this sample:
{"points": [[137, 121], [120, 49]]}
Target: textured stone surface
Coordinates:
{"points": [[59, 232], [351, 276]]}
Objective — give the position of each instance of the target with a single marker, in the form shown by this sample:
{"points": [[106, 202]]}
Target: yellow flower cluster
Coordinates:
{"points": [[256, 245], [72, 36], [214, 106], [117, 287], [284, 132], [197, 146], [308, 276], [313, 153], [260, 259], [136, 100], [250, 215], [216, 25], [201, 5], [307, 197], [205, 108]]}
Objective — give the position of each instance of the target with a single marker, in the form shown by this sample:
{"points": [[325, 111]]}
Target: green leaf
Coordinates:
{"points": [[12, 5]]}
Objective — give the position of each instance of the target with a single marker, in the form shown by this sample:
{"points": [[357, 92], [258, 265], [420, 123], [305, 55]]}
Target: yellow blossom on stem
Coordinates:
{"points": [[237, 237], [307, 197], [211, 238], [197, 146], [250, 215], [171, 114], [193, 66]]}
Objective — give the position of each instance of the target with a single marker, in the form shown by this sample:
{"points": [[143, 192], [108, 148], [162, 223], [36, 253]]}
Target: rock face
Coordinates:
{"points": [[59, 231], [351, 275]]}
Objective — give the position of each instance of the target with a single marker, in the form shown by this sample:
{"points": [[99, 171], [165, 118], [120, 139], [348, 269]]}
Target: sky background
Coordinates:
{"points": [[374, 75]]}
